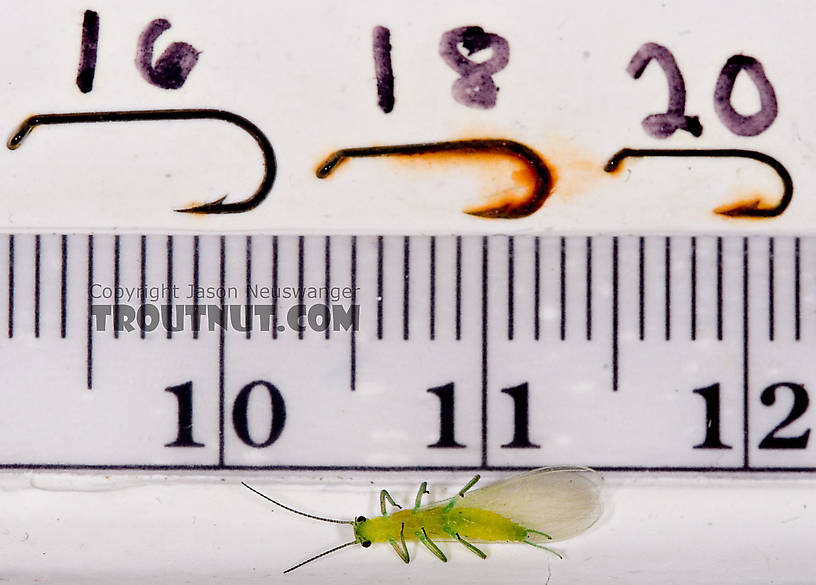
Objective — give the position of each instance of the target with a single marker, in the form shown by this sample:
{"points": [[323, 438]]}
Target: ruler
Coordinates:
{"points": [[407, 352]]}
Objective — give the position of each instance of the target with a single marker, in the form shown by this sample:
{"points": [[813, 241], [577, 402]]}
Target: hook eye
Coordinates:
{"points": [[753, 208], [217, 206], [529, 204]]}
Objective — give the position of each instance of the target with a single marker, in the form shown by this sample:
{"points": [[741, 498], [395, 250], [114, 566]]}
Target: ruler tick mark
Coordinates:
{"points": [[275, 287], [300, 264], [143, 283], [195, 286], [64, 286], [11, 286], [327, 276], [116, 286], [693, 263], [485, 314], [797, 301], [510, 287], [353, 336], [771, 303], [719, 289], [222, 281], [667, 289], [458, 288], [248, 319], [536, 287], [37, 285], [642, 288], [745, 349], [406, 286], [89, 350], [380, 286], [170, 291], [615, 349], [589, 288], [563, 289], [432, 289]]}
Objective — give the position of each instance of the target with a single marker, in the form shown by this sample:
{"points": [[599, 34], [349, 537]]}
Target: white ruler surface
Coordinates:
{"points": [[416, 352]]}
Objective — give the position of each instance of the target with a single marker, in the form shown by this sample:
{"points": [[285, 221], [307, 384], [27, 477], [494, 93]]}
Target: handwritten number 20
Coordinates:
{"points": [[665, 124]]}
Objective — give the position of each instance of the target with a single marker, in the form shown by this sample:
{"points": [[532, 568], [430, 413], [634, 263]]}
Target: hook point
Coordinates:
{"points": [[211, 207]]}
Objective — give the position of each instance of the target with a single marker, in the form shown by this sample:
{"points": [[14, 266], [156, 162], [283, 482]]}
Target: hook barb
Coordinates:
{"points": [[748, 209], [541, 189], [212, 207]]}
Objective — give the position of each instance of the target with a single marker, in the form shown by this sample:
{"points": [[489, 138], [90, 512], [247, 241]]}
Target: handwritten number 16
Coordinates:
{"points": [[169, 71], [665, 124]]}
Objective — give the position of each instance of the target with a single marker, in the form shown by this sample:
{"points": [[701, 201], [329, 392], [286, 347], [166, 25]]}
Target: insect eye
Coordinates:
{"points": [[361, 519], [366, 543]]}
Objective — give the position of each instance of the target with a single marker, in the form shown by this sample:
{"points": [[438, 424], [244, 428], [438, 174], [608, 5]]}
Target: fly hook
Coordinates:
{"points": [[217, 206], [508, 148], [751, 209]]}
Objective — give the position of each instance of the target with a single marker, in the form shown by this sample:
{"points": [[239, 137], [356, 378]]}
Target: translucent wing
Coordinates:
{"points": [[559, 501]]}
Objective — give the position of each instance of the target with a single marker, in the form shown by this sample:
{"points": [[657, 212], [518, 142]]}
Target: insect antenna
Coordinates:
{"points": [[323, 554], [301, 513]]}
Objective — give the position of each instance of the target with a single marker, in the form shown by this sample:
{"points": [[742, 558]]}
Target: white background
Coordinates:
{"points": [[303, 73]]}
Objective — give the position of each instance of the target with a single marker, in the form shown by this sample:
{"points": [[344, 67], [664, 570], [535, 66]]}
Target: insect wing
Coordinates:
{"points": [[558, 501]]}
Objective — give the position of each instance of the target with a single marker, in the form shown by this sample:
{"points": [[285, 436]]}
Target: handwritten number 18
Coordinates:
{"points": [[475, 87], [665, 124]]}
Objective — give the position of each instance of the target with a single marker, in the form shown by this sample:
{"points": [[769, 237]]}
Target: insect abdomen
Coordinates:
{"points": [[483, 525]]}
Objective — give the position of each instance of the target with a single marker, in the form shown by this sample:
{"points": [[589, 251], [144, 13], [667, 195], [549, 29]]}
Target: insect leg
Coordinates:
{"points": [[402, 549], [469, 485], [423, 489], [424, 539], [544, 534], [384, 495], [461, 493], [479, 553], [543, 547]]}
